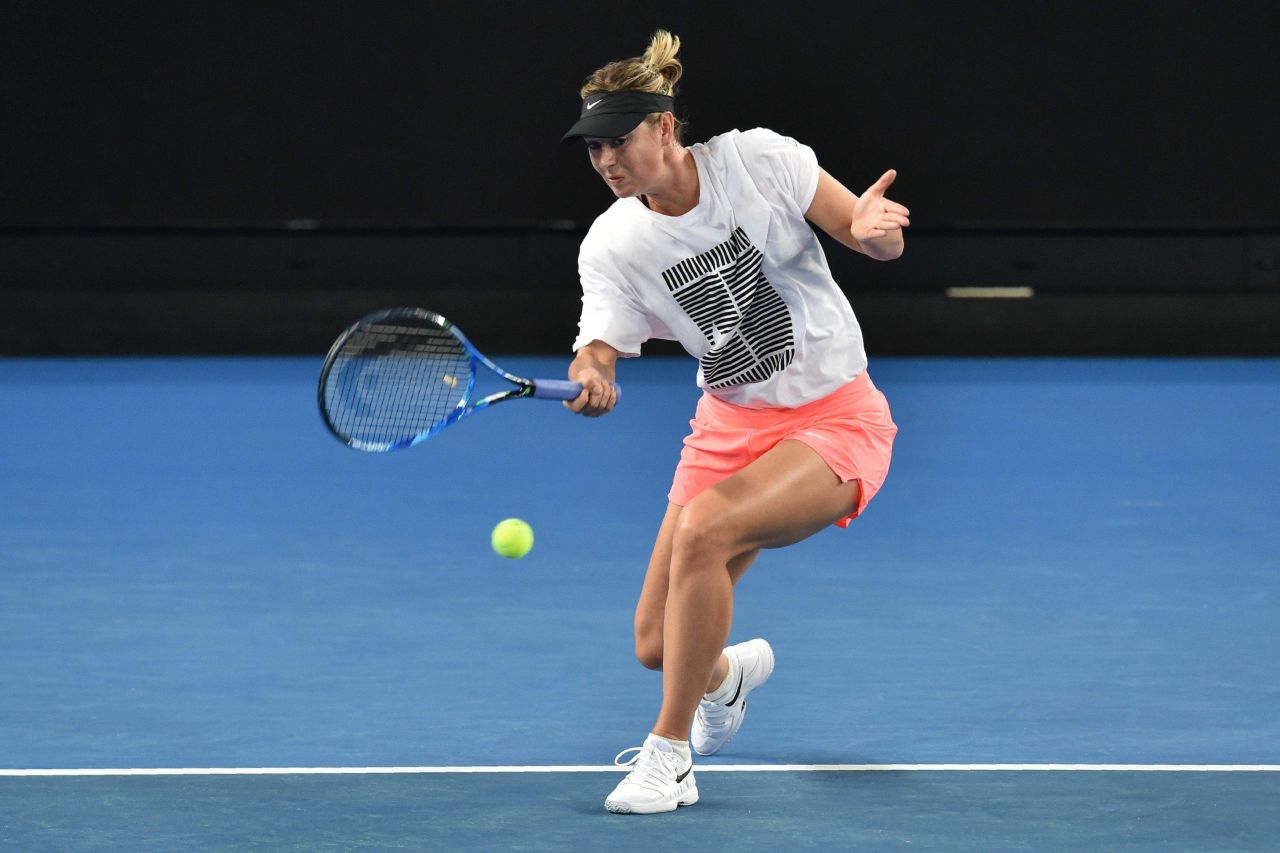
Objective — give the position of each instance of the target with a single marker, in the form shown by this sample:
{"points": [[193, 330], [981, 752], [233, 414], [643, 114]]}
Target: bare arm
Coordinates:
{"points": [[594, 367], [870, 223]]}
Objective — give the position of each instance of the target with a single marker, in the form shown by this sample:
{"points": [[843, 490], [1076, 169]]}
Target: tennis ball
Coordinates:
{"points": [[512, 538]]}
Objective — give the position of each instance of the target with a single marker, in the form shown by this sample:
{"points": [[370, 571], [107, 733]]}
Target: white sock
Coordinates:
{"points": [[666, 744], [725, 691]]}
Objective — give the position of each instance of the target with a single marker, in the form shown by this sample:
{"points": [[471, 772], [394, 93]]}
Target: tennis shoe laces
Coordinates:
{"points": [[657, 782], [715, 723]]}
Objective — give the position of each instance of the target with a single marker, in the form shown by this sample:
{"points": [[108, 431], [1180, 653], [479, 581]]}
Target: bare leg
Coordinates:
{"points": [[651, 609], [785, 496]]}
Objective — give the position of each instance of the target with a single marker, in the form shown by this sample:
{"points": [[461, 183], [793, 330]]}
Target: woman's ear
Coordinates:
{"points": [[668, 124]]}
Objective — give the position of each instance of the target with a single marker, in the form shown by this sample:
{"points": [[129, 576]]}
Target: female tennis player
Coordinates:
{"points": [[711, 245]]}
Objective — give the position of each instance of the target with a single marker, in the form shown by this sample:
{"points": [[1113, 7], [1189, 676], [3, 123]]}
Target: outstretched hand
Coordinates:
{"points": [[874, 215]]}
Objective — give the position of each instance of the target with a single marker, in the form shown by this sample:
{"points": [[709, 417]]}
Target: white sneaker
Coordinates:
{"points": [[715, 724], [656, 783]]}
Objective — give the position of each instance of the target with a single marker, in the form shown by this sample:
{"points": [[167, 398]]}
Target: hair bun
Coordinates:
{"points": [[657, 72], [661, 57]]}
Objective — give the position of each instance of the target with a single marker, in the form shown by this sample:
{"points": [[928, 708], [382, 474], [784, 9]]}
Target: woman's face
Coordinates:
{"points": [[628, 164]]}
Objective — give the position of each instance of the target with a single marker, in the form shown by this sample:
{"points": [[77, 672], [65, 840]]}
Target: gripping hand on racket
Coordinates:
{"points": [[594, 367]]}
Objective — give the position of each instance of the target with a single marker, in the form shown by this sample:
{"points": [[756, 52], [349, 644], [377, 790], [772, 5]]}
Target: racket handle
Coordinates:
{"points": [[562, 389]]}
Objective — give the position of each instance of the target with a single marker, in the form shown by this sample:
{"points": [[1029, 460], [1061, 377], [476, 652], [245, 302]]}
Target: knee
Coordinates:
{"points": [[705, 536], [650, 656], [649, 652], [649, 645]]}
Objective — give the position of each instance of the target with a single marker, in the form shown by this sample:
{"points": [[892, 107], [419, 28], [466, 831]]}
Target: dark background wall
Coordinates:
{"points": [[196, 176]]}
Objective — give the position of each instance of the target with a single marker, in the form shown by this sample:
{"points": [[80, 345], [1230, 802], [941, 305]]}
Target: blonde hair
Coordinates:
{"points": [[656, 72]]}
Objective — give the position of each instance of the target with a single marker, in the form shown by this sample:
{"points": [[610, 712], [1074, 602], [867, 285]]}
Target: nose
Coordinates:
{"points": [[606, 157]]}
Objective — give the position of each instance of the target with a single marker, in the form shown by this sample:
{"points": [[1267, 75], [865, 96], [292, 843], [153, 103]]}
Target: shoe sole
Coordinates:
{"points": [[688, 798]]}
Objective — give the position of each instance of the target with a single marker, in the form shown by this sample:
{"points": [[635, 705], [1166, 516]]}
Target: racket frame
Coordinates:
{"points": [[552, 389]]}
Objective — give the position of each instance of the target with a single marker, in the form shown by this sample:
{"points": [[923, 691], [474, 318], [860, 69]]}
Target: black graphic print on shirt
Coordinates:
{"points": [[742, 315]]}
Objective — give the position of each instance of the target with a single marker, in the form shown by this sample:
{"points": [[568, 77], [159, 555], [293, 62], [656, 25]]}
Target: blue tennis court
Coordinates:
{"points": [[1068, 593]]}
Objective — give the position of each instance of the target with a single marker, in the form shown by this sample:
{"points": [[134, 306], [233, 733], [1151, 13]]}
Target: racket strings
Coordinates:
{"points": [[392, 382]]}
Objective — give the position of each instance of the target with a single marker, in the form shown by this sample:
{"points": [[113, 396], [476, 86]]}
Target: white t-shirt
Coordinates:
{"points": [[740, 280]]}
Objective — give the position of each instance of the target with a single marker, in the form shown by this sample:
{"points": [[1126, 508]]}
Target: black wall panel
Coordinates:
{"points": [[996, 114]]}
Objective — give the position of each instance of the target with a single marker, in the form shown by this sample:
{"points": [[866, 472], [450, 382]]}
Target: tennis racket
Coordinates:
{"points": [[399, 376]]}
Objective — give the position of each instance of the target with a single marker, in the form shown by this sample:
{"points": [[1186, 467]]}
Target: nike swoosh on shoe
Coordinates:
{"points": [[737, 692]]}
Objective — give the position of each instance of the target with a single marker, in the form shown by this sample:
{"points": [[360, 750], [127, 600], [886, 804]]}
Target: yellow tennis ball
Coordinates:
{"points": [[512, 538]]}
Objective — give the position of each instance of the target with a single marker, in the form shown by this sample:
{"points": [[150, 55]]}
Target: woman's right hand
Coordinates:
{"points": [[598, 396], [594, 368]]}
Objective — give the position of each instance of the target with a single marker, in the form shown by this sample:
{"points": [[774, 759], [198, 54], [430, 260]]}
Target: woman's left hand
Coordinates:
{"points": [[875, 216]]}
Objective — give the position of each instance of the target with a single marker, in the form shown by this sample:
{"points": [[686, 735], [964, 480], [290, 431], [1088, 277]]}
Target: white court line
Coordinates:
{"points": [[608, 768]]}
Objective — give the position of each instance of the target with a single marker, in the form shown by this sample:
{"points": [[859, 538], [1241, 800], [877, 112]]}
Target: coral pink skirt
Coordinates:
{"points": [[850, 428]]}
